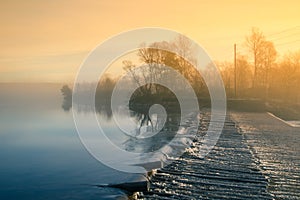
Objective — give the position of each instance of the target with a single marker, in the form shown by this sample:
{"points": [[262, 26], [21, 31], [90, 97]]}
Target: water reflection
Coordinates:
{"points": [[161, 130], [152, 137], [40, 152], [66, 105], [157, 141], [152, 131]]}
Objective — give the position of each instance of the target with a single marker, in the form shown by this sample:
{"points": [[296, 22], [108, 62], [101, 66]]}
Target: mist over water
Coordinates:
{"points": [[40, 152]]}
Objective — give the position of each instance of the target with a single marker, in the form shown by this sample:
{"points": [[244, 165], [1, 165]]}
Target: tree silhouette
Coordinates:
{"points": [[67, 95], [264, 56]]}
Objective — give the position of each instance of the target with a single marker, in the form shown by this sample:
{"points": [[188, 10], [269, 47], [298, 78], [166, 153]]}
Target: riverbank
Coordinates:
{"points": [[284, 110]]}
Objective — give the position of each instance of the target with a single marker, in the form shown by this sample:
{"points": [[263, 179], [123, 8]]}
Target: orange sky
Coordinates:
{"points": [[46, 41]]}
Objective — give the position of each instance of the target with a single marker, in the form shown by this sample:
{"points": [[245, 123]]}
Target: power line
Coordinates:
{"points": [[279, 38], [288, 42], [293, 31], [284, 31]]}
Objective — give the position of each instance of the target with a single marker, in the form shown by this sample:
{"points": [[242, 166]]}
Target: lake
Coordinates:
{"points": [[41, 153]]}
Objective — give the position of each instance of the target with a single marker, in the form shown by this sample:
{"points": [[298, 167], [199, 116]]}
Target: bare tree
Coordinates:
{"points": [[289, 75], [227, 73], [264, 56], [268, 59], [243, 73], [244, 76], [255, 42], [161, 54]]}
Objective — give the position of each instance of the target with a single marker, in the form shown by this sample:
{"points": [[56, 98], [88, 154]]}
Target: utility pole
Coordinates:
{"points": [[235, 71]]}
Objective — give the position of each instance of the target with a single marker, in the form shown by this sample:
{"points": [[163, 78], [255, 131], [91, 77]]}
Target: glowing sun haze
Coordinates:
{"points": [[46, 41]]}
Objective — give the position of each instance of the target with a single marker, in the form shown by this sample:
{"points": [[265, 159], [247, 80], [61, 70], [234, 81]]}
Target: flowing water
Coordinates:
{"points": [[229, 171], [256, 157]]}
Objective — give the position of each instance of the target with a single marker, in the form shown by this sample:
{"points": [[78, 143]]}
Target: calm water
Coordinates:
{"points": [[40, 152]]}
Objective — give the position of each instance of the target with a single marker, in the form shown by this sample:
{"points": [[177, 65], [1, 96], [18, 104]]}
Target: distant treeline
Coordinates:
{"points": [[261, 73], [258, 75]]}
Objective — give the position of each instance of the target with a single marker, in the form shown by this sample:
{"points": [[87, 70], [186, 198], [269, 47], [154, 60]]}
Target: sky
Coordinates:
{"points": [[47, 41]]}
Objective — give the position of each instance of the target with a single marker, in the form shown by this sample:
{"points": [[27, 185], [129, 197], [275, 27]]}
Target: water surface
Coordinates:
{"points": [[40, 152]]}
